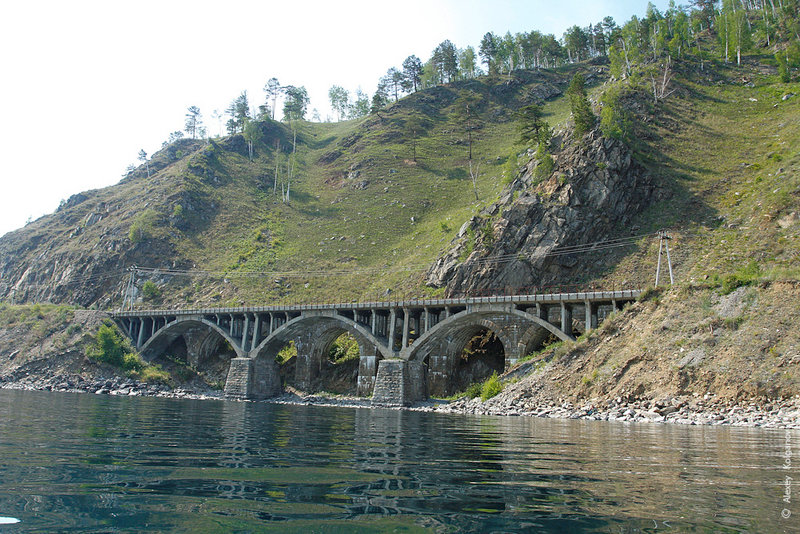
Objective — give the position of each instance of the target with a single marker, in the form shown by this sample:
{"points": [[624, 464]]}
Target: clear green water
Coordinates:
{"points": [[90, 463]]}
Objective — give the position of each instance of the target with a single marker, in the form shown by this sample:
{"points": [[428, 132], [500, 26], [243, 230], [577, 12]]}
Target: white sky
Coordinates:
{"points": [[84, 85]]}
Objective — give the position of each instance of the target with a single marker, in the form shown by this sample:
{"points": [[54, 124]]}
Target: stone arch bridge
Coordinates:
{"points": [[408, 349]]}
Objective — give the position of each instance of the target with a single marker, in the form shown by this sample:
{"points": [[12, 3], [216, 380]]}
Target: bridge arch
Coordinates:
{"points": [[441, 346], [485, 317], [313, 335], [165, 335], [202, 343]]}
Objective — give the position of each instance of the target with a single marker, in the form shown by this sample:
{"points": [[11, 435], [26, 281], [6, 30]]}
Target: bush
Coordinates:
{"points": [[286, 353], [142, 226], [650, 293], [150, 290], [744, 276], [132, 362], [109, 346], [491, 387], [474, 390], [344, 348], [615, 121], [154, 373]]}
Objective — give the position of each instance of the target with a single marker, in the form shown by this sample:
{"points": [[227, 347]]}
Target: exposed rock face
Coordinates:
{"points": [[594, 191], [78, 255]]}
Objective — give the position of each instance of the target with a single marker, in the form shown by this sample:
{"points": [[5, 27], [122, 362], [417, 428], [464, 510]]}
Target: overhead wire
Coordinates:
{"points": [[501, 259]]}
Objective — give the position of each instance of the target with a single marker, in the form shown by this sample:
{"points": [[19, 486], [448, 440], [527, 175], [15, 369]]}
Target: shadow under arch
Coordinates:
{"points": [[309, 325], [312, 336], [166, 335], [442, 331]]}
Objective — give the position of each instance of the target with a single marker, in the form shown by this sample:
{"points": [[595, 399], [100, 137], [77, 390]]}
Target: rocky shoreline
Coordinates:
{"points": [[689, 410], [115, 386], [681, 410]]}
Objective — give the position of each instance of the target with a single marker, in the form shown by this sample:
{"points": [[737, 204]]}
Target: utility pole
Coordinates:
{"points": [[127, 298], [663, 243]]}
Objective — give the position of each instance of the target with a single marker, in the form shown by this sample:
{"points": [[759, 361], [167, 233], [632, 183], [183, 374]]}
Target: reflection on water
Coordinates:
{"points": [[87, 463]]}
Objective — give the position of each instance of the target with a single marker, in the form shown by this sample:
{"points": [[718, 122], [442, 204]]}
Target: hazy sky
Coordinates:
{"points": [[87, 84]]}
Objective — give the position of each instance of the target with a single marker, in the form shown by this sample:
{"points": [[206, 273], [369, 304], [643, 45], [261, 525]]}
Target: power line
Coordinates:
{"points": [[501, 259]]}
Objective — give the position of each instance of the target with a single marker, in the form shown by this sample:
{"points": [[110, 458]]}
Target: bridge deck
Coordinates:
{"points": [[542, 298]]}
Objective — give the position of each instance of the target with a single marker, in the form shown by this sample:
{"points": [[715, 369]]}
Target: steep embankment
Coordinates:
{"points": [[727, 146], [594, 192]]}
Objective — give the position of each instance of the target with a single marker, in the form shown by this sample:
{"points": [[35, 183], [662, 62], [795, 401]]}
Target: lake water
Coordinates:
{"points": [[92, 463]]}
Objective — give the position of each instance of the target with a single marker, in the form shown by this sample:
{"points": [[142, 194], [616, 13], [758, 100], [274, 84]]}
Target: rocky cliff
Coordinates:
{"points": [[80, 253], [594, 192]]}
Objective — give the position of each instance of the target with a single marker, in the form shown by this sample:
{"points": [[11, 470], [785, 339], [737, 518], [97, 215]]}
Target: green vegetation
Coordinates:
{"points": [[150, 291], [286, 353], [112, 348], [579, 104], [143, 226], [344, 348], [301, 210], [491, 387], [743, 276]]}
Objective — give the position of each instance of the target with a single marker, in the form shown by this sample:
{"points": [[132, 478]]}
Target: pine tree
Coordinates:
{"points": [[239, 113], [143, 158], [193, 121], [530, 121], [412, 73], [488, 52], [579, 105]]}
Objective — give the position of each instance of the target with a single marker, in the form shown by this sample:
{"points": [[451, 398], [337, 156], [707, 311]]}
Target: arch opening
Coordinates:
{"points": [[481, 355], [197, 356], [537, 339], [339, 373], [286, 358]]}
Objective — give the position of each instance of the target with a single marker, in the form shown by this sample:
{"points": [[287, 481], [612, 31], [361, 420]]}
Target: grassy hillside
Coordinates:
{"points": [[364, 219]]}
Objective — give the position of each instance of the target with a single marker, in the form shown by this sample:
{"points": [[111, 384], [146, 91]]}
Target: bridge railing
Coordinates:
{"points": [[518, 294]]}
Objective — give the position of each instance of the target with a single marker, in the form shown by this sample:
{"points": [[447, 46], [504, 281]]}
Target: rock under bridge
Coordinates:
{"points": [[408, 349]]}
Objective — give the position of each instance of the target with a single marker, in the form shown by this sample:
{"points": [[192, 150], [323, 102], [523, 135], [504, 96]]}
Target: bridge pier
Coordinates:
{"points": [[399, 383], [253, 379]]}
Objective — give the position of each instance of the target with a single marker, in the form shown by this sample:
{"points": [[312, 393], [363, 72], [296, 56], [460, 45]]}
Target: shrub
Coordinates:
{"points": [[491, 387], [474, 390], [132, 362], [744, 276], [286, 353], [150, 290], [142, 226], [109, 346], [545, 167], [344, 348], [649, 293], [154, 373]]}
